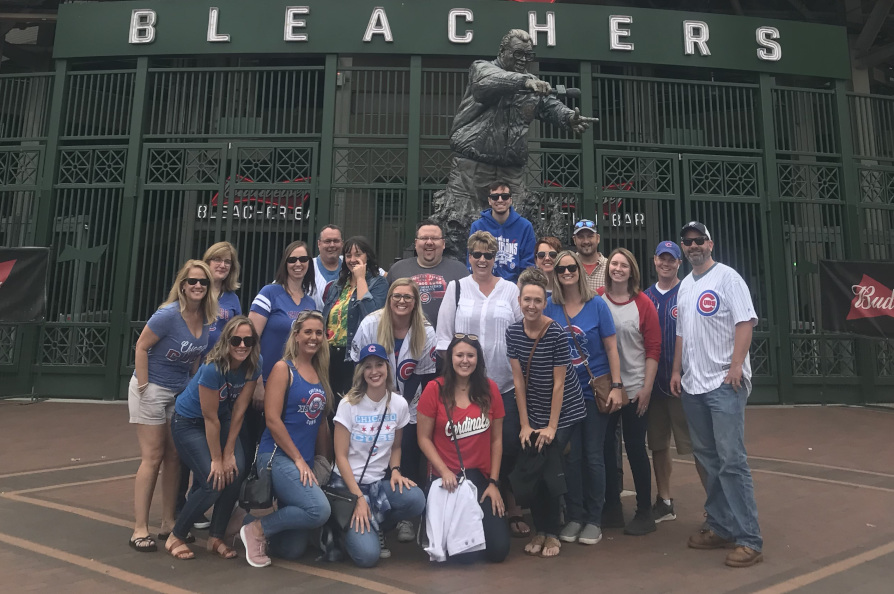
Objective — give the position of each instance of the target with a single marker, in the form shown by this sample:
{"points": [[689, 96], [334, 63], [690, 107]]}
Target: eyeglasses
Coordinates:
{"points": [[570, 268], [500, 196], [688, 241], [330, 241], [461, 335], [222, 261], [519, 54], [202, 281], [584, 224], [248, 341], [485, 255], [398, 297], [542, 255], [427, 239], [293, 259]]}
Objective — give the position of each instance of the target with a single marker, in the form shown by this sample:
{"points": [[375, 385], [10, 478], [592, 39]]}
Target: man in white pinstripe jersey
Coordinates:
{"points": [[712, 373]]}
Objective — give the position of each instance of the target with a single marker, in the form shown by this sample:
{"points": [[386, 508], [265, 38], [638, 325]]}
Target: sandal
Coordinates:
{"points": [[516, 530], [178, 549], [536, 545], [220, 548], [143, 544], [551, 544], [163, 536]]}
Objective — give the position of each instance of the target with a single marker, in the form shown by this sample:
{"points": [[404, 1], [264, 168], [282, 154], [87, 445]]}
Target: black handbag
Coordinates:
{"points": [[256, 491], [341, 501]]}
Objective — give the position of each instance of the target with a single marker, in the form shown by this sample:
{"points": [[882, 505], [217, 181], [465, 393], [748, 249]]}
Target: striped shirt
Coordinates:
{"points": [[708, 308], [666, 304], [552, 351]]}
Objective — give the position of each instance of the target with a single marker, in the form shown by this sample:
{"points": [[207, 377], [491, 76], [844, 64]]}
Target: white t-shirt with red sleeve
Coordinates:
{"points": [[639, 337], [473, 429]]}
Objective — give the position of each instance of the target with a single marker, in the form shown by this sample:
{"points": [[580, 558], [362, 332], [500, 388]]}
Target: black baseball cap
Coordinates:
{"points": [[700, 227]]}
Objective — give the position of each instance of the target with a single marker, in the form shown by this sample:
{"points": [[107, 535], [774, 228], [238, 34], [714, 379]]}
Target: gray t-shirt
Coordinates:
{"points": [[432, 281], [171, 358]]}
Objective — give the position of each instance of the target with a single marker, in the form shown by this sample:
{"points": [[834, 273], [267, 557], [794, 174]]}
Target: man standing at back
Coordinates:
{"points": [[712, 372], [515, 234], [429, 269], [586, 240], [328, 263]]}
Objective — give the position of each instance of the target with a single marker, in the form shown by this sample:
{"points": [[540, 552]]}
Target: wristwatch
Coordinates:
{"points": [[397, 468], [493, 481], [617, 385]]}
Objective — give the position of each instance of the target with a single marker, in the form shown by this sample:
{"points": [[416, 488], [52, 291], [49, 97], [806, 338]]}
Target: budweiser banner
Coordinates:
{"points": [[858, 297], [23, 284]]}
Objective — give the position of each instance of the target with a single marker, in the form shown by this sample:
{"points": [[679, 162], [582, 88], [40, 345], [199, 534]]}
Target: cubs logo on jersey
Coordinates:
{"points": [[673, 312], [708, 303], [579, 358], [405, 369]]}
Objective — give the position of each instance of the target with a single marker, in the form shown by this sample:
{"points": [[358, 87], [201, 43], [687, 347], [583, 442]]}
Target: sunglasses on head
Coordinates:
{"points": [[500, 196], [485, 255], [202, 281], [293, 259], [585, 224], [461, 336], [248, 341], [687, 241], [569, 268], [542, 255]]}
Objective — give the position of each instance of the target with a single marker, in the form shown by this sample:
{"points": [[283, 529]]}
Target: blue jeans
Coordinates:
{"points": [[300, 508], [586, 469], [717, 426], [364, 548], [192, 446]]}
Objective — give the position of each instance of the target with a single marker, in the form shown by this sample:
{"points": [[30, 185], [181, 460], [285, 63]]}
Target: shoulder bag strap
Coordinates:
{"points": [[373, 446], [527, 373], [459, 456], [574, 338]]}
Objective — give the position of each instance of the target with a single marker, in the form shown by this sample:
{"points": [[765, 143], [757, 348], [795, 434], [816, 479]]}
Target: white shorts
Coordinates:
{"points": [[155, 406]]}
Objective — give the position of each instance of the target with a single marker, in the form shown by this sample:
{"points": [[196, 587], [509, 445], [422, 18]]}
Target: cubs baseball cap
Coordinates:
{"points": [[669, 247], [584, 224], [373, 350], [700, 227]]}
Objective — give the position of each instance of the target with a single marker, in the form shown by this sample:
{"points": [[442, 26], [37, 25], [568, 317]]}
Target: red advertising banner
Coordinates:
{"points": [[858, 297]]}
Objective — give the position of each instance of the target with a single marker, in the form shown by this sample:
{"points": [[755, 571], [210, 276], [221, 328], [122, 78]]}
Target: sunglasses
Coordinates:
{"points": [[519, 54], [486, 255], [293, 259], [461, 336], [398, 298], [585, 224], [248, 341], [202, 281], [500, 196], [688, 241], [569, 268], [542, 255]]}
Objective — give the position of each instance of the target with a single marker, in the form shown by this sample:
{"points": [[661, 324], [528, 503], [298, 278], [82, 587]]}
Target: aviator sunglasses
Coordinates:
{"points": [[293, 259], [202, 281], [570, 268], [688, 241], [248, 341], [542, 255]]}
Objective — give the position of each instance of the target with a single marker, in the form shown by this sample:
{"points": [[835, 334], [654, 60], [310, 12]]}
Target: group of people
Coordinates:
{"points": [[494, 386]]}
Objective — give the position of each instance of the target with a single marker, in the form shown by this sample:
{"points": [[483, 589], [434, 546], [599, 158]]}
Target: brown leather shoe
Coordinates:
{"points": [[706, 539], [744, 557]]}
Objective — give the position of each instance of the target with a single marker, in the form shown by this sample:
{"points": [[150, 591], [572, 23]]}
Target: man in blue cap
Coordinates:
{"points": [[666, 410]]}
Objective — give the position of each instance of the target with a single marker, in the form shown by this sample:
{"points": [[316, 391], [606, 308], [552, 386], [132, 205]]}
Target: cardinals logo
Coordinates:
{"points": [[871, 299]]}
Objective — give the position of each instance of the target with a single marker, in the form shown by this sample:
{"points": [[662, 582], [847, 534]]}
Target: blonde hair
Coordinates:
{"points": [[220, 352], [320, 361], [222, 249], [177, 294], [385, 332], [484, 237], [633, 283], [359, 387], [586, 293]]}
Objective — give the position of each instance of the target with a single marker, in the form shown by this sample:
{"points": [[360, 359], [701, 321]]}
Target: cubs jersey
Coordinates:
{"points": [[666, 305], [708, 308]]}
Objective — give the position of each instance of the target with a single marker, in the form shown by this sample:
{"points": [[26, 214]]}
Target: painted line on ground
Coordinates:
{"points": [[340, 577], [829, 570], [80, 511], [91, 565], [75, 484], [62, 468], [827, 466]]}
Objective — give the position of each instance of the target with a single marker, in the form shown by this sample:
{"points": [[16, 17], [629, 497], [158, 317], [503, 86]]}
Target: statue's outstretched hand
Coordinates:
{"points": [[541, 87], [580, 123]]}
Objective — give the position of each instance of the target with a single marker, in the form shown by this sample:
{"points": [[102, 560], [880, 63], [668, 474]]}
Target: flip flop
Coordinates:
{"points": [[137, 544], [514, 528]]}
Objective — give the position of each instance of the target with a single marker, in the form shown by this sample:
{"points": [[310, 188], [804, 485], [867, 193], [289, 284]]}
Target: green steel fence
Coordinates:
{"points": [[126, 173]]}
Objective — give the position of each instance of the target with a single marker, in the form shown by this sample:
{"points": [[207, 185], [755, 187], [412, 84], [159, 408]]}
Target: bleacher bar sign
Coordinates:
{"points": [[571, 32], [858, 297]]}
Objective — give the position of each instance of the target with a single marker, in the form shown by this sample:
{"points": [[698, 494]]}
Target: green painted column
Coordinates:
{"points": [[414, 199], [588, 150], [323, 214]]}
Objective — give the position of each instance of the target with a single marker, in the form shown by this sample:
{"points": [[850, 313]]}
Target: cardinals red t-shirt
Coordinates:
{"points": [[473, 429]]}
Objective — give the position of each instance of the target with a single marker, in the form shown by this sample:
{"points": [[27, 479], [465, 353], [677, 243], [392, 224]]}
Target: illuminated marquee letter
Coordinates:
{"points": [[142, 26], [696, 33], [770, 50], [213, 35], [294, 22], [615, 32], [455, 13], [378, 25], [549, 28]]}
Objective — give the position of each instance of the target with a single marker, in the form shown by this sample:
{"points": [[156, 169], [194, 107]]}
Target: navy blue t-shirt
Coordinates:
{"points": [[305, 405], [228, 387], [228, 308], [275, 304]]}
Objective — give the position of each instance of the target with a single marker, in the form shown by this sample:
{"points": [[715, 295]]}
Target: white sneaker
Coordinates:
{"points": [[405, 531]]}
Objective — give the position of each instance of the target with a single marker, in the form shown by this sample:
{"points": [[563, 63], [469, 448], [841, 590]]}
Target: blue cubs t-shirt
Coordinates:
{"points": [[591, 325], [172, 357], [228, 308], [304, 409], [227, 385], [275, 304]]}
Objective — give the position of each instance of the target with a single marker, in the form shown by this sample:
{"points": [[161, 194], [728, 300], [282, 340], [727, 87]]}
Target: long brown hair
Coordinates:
{"points": [[208, 306], [320, 360], [308, 283], [586, 293], [633, 283], [479, 387], [219, 353]]}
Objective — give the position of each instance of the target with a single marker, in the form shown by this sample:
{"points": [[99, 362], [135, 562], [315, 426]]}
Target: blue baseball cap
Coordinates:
{"points": [[373, 350], [669, 247]]}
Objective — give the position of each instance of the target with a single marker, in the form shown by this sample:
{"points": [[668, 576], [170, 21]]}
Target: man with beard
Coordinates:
{"points": [[586, 239], [712, 374], [430, 270]]}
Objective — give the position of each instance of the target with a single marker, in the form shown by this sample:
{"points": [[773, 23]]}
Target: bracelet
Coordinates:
{"points": [[143, 387], [397, 468]]}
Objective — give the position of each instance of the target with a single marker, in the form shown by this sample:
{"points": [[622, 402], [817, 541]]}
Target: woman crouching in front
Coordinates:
{"points": [[207, 418], [460, 430], [368, 428], [296, 403]]}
